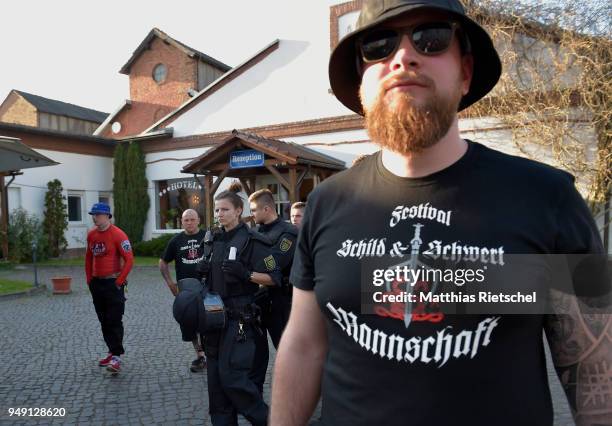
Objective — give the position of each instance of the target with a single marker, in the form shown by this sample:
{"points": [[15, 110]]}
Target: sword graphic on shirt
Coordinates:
{"points": [[453, 252], [191, 249]]}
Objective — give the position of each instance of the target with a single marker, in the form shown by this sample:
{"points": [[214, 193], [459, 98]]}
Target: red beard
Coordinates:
{"points": [[407, 128]]}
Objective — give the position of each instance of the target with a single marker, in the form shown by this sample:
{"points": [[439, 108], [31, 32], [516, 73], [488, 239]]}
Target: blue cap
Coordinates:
{"points": [[101, 208]]}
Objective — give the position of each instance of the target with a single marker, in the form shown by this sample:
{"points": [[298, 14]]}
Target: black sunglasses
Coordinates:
{"points": [[430, 39]]}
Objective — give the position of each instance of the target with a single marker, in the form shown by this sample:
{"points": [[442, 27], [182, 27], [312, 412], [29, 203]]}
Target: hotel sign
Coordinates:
{"points": [[246, 158], [177, 184]]}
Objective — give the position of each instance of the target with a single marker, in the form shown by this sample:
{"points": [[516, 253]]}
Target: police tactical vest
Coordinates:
{"points": [[220, 252]]}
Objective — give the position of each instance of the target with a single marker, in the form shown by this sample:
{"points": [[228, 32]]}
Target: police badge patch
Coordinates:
{"points": [[285, 244], [270, 263]]}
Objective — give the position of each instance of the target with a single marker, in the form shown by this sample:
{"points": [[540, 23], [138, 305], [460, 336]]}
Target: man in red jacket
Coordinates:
{"points": [[108, 262]]}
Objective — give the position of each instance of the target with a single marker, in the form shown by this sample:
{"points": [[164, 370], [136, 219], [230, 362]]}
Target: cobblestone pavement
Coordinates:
{"points": [[50, 345]]}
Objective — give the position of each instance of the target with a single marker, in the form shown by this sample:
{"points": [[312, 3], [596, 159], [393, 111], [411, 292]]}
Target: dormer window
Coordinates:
{"points": [[160, 72]]}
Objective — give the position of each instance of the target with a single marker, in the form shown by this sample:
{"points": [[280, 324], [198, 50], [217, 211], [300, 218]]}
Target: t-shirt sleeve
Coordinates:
{"points": [[125, 251], [170, 251], [302, 271], [579, 241]]}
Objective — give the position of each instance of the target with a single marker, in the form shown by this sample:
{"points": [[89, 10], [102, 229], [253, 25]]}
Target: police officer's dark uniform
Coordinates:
{"points": [[276, 314], [233, 385]]}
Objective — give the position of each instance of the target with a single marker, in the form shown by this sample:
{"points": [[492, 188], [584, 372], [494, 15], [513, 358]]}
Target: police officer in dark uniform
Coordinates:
{"points": [[236, 263], [283, 235]]}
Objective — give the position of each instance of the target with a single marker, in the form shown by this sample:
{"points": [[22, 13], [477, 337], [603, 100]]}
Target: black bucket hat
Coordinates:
{"points": [[344, 76]]}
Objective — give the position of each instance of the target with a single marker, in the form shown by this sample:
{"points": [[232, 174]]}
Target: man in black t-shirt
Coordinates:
{"points": [[430, 200], [185, 250]]}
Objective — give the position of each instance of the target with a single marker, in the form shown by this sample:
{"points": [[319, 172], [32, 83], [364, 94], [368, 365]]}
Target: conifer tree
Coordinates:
{"points": [[55, 220]]}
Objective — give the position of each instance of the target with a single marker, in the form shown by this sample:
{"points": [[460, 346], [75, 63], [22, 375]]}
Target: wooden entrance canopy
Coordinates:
{"points": [[280, 158]]}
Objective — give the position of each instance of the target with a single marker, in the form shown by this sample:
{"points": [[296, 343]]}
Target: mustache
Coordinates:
{"points": [[405, 78]]}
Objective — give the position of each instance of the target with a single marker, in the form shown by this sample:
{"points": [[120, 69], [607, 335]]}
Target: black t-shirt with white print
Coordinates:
{"points": [[439, 369], [186, 252]]}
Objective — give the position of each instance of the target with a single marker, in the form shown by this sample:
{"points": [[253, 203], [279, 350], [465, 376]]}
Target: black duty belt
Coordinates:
{"points": [[248, 313]]}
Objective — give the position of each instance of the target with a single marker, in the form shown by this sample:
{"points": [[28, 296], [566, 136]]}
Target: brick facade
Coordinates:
{"points": [[15, 109], [230, 76], [182, 76], [135, 118], [335, 12], [150, 101]]}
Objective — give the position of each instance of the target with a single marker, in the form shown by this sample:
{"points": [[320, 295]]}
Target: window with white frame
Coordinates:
{"points": [[75, 207], [281, 199]]}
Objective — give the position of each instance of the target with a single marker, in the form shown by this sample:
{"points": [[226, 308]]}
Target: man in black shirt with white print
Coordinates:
{"points": [[185, 250], [409, 67]]}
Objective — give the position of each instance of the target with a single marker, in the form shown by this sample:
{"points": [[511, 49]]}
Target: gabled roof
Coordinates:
{"points": [[10, 127], [286, 152], [215, 85], [52, 106], [193, 53]]}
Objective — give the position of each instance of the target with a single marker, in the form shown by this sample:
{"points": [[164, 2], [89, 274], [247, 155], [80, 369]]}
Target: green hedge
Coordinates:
{"points": [[23, 229], [154, 247]]}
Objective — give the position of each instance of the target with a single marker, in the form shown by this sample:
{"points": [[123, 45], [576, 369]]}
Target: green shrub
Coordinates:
{"points": [[22, 231], [154, 247], [55, 220]]}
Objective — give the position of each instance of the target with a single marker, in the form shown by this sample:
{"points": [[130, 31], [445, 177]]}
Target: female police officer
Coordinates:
{"points": [[234, 353]]}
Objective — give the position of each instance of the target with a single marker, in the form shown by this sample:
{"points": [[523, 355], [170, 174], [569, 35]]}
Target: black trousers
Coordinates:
{"points": [[234, 384], [276, 316], [109, 302]]}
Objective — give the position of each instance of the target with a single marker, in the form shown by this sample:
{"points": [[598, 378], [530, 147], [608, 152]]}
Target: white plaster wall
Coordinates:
{"points": [[87, 175], [335, 144], [290, 84]]}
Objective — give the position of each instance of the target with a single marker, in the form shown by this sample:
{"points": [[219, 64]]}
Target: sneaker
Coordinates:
{"points": [[105, 361], [198, 364], [114, 365]]}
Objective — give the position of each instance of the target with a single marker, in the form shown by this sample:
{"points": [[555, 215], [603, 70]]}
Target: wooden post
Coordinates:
{"points": [[208, 197], [292, 185]]}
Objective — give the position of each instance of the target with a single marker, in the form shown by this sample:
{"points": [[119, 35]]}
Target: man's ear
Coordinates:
{"points": [[467, 72]]}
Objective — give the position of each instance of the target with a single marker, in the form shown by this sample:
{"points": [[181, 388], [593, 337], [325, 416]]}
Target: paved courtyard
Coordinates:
{"points": [[49, 345]]}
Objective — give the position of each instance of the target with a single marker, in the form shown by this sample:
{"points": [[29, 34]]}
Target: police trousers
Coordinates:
{"points": [[234, 380], [276, 316], [109, 302]]}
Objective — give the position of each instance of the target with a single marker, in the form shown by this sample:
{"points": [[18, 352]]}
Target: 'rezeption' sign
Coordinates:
{"points": [[246, 158]]}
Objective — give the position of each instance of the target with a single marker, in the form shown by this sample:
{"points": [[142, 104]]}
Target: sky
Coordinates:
{"points": [[72, 50]]}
